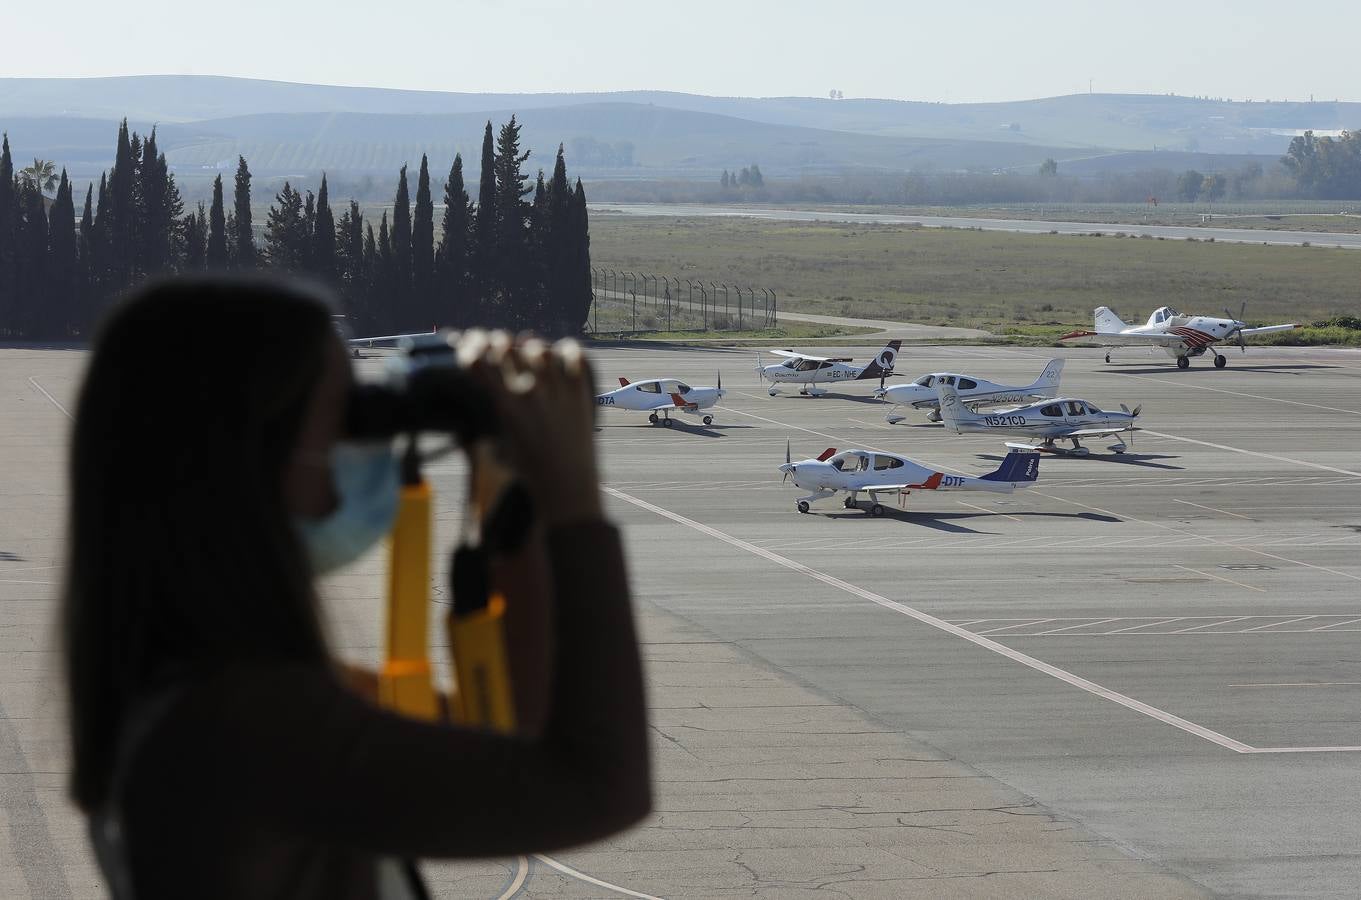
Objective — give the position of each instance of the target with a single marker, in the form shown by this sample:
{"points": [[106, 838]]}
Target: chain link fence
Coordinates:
{"points": [[633, 302]]}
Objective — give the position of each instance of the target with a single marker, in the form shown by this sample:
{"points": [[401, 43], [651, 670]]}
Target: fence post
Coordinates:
{"points": [[739, 307]]}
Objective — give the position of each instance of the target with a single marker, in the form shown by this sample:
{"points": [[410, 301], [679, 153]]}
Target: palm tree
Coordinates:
{"points": [[42, 174]]}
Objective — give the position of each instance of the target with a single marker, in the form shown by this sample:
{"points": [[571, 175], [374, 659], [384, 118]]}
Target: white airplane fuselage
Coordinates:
{"points": [[661, 395]]}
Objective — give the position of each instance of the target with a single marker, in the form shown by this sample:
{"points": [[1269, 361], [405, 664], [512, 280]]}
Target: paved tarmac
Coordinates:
{"points": [[1341, 240], [1138, 679]]}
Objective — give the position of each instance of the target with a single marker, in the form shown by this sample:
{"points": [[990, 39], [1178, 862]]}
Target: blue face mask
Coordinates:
{"points": [[367, 480]]}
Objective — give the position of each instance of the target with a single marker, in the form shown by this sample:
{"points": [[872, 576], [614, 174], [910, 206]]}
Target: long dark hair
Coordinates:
{"points": [[181, 558]]}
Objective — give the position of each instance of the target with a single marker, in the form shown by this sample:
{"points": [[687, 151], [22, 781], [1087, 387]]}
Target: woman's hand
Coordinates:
{"points": [[543, 395]]}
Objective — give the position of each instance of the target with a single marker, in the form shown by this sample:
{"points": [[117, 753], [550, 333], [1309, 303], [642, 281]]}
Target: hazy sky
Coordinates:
{"points": [[942, 50]]}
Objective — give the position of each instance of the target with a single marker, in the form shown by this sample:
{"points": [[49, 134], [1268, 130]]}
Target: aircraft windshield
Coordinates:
{"points": [[924, 381], [790, 364]]}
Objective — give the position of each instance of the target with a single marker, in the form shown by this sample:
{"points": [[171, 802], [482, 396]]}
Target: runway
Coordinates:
{"points": [[1138, 678], [1340, 240]]}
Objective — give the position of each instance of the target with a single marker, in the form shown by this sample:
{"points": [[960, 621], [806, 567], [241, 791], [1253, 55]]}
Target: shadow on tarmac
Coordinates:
{"points": [[944, 521], [1193, 370], [711, 431], [1143, 460]]}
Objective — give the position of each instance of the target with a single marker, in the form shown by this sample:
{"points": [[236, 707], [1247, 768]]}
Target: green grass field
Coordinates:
{"points": [[1040, 284]]}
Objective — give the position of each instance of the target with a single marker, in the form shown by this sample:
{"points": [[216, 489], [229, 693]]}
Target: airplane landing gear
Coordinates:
{"points": [[877, 510], [848, 503], [666, 422], [933, 415], [1108, 357], [1220, 361], [773, 390], [652, 417], [708, 420], [802, 506], [1183, 362]]}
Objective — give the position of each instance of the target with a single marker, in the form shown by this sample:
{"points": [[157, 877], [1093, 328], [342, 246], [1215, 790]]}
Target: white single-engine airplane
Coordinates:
{"points": [[865, 471], [799, 368], [1062, 418], [1181, 336], [976, 392], [662, 395]]}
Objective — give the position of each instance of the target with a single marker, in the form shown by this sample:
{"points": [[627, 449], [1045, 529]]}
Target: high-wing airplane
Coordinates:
{"points": [[870, 472], [1061, 418], [662, 395], [1181, 336], [921, 394], [799, 368]]}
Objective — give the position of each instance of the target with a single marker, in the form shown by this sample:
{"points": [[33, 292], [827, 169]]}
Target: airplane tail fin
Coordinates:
{"points": [[1048, 382], [1108, 322], [882, 364], [952, 410], [623, 382], [827, 454], [1019, 466]]}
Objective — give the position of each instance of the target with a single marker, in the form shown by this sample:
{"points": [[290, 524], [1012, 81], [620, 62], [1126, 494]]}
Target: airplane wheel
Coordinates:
{"points": [[802, 506], [708, 420], [1221, 362], [1183, 362], [848, 503], [772, 392], [666, 422], [1108, 357], [876, 510], [652, 418]]}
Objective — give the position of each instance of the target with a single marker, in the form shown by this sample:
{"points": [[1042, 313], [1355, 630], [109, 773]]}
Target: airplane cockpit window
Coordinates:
{"points": [[924, 381], [838, 464], [886, 462], [682, 388], [651, 387], [1052, 409], [807, 365], [862, 464], [825, 365], [948, 379], [1092, 409], [967, 384], [1075, 408], [790, 364]]}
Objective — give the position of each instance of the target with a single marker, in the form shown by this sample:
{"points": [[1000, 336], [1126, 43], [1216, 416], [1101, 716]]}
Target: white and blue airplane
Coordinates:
{"points": [[1047, 421], [800, 368], [976, 392], [664, 396], [872, 472]]}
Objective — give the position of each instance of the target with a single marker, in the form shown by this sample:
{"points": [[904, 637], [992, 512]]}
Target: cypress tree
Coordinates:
{"points": [[309, 228], [579, 300], [215, 257], [381, 295], [512, 214], [324, 237], [118, 219], [362, 311], [484, 260], [85, 242], [423, 248], [98, 269], [399, 305], [537, 246], [194, 230], [286, 235], [63, 279], [9, 220], [154, 234], [242, 236], [31, 262], [451, 260], [560, 249]]}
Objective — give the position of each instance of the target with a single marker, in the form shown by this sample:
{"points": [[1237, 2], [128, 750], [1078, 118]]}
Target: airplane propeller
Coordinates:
{"points": [[1133, 415], [788, 465], [760, 369], [1238, 325], [720, 382]]}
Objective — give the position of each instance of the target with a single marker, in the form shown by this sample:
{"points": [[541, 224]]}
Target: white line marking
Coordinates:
{"points": [[582, 876], [1335, 624], [1302, 749], [1030, 662], [1017, 625], [1078, 625], [1212, 509], [1211, 624], [1298, 462], [521, 873], [1274, 624], [1145, 625], [1223, 579], [986, 510], [55, 402], [1300, 684], [1201, 387]]}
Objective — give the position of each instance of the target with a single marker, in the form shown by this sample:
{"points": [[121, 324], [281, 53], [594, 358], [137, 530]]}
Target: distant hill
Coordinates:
{"points": [[294, 129]]}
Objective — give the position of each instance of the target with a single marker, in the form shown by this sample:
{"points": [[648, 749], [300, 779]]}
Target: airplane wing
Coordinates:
{"points": [[1094, 432], [792, 355], [1268, 329], [370, 341], [680, 403], [1117, 339], [930, 484]]}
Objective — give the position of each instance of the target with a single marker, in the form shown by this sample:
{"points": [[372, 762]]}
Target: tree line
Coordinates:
{"points": [[1326, 167], [518, 257]]}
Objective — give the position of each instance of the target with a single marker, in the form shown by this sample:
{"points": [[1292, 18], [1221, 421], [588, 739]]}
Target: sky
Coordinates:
{"points": [[961, 51]]}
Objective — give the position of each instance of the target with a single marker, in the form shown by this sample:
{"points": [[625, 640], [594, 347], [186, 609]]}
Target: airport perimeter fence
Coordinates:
{"points": [[633, 302]]}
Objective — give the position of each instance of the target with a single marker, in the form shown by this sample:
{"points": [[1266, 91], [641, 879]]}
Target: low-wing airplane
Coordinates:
{"points": [[799, 368], [921, 394], [867, 471], [662, 395], [1061, 418], [1181, 336]]}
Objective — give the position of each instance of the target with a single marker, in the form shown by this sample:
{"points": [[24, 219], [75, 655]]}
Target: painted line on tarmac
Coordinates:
{"points": [[991, 512], [1212, 509], [582, 876], [1299, 684], [1288, 459], [54, 401], [1024, 659], [518, 881], [1201, 387], [1222, 578]]}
